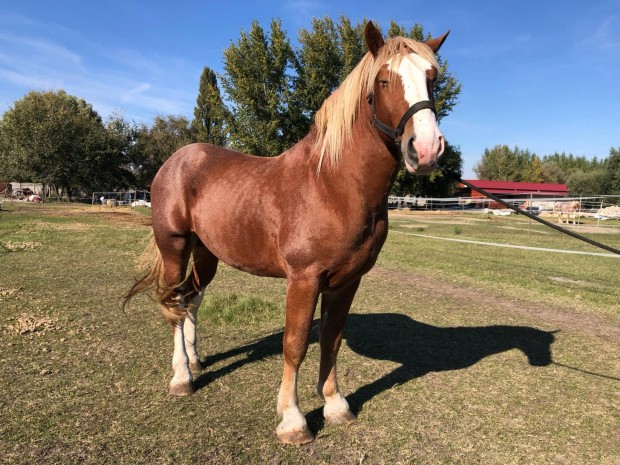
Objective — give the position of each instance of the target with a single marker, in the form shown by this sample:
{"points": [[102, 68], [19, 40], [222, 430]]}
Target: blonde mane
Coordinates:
{"points": [[334, 121]]}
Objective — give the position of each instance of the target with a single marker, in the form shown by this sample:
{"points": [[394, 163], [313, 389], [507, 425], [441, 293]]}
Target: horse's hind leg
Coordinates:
{"points": [[203, 271], [334, 311], [189, 296], [175, 252]]}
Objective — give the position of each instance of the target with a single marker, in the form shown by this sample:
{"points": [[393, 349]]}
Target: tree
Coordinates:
{"points": [[55, 139], [155, 144], [504, 164], [258, 83], [551, 172], [210, 114], [533, 171], [318, 66], [593, 182], [351, 44], [612, 167], [119, 170]]}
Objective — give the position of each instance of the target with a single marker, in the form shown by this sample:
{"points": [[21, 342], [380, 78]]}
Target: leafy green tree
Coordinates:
{"points": [[318, 65], [156, 143], [118, 172], [210, 113], [551, 172], [258, 79], [504, 164], [570, 164], [534, 172], [612, 167], [56, 139], [593, 182], [351, 44]]}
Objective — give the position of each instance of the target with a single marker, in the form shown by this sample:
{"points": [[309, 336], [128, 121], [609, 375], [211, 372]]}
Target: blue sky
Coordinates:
{"points": [[543, 75]]}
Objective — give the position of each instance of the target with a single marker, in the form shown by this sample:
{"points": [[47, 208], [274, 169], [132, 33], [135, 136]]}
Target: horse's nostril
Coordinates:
{"points": [[412, 155]]}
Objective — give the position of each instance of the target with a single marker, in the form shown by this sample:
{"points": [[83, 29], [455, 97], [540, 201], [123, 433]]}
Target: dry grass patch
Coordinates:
{"points": [[27, 324], [14, 246], [7, 291]]}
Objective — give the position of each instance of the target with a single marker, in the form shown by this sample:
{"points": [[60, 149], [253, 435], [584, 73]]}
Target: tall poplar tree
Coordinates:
{"points": [[258, 82], [210, 114]]}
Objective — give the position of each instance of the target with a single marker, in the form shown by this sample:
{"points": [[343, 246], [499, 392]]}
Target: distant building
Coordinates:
{"points": [[513, 190]]}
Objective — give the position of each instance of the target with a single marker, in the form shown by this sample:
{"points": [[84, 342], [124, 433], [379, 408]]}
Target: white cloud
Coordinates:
{"points": [[306, 8], [111, 80], [606, 36]]}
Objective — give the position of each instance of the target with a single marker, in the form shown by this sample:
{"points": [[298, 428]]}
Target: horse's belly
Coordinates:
{"points": [[244, 250]]}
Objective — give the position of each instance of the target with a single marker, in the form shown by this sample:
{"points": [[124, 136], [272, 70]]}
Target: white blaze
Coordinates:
{"points": [[412, 71]]}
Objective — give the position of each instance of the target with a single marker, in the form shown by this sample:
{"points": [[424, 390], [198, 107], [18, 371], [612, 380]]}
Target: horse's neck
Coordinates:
{"points": [[367, 163]]}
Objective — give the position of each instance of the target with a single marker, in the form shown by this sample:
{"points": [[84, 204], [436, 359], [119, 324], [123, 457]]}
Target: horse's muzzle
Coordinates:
{"points": [[424, 162]]}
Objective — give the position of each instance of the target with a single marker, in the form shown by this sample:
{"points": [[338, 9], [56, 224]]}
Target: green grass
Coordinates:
{"points": [[582, 282], [439, 359]]}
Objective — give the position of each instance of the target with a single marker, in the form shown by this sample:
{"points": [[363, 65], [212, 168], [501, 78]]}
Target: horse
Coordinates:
{"points": [[316, 215], [568, 208]]}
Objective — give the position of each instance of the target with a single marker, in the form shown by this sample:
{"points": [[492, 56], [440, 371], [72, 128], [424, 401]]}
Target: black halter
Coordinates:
{"points": [[397, 132]]}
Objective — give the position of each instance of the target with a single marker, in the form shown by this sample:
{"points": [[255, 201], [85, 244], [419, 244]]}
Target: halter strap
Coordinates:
{"points": [[397, 132]]}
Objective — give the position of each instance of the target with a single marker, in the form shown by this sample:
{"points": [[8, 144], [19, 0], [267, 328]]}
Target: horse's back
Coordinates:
{"points": [[228, 199]]}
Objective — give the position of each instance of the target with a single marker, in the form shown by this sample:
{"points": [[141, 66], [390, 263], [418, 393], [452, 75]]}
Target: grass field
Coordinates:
{"points": [[455, 353]]}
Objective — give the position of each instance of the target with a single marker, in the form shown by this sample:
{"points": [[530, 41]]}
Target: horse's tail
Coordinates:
{"points": [[154, 280]]}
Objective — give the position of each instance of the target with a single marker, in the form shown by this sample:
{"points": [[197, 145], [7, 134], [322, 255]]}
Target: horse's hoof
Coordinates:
{"points": [[342, 417], [301, 436], [195, 367], [181, 389]]}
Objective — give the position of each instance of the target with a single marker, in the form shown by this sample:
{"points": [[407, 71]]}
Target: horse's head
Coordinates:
{"points": [[402, 98]]}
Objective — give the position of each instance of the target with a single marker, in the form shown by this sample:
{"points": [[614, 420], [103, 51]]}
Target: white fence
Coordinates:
{"points": [[121, 198], [606, 205]]}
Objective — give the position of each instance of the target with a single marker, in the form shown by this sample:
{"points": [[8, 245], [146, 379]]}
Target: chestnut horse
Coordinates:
{"points": [[315, 215]]}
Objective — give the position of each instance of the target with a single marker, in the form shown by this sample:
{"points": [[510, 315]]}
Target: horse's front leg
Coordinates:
{"points": [[301, 298], [335, 307]]}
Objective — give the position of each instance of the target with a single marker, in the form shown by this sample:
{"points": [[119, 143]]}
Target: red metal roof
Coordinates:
{"points": [[515, 188]]}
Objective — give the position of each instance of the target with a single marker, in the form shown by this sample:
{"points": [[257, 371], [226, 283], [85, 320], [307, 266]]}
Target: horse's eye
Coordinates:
{"points": [[383, 83]]}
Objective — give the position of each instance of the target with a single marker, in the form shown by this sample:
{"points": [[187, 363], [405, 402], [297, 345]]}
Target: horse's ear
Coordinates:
{"points": [[374, 39], [435, 44]]}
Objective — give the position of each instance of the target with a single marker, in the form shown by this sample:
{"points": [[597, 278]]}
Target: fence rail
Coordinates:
{"points": [[587, 204]]}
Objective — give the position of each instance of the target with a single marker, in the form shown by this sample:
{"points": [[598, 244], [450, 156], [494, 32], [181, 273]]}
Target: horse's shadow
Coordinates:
{"points": [[419, 348]]}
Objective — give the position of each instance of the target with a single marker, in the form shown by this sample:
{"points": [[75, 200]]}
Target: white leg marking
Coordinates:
{"points": [[335, 406], [182, 379], [336, 409], [189, 332], [292, 418]]}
